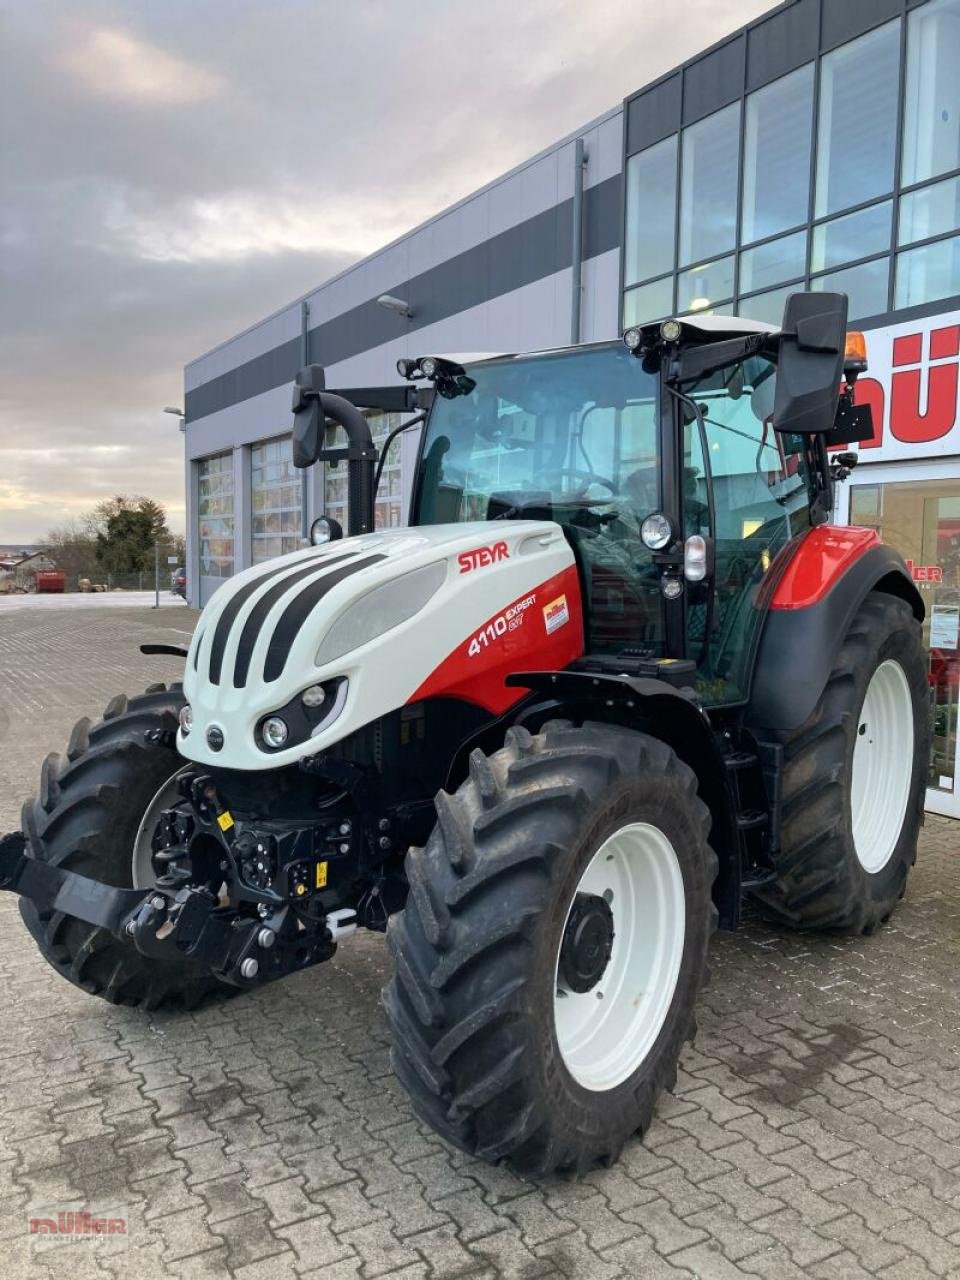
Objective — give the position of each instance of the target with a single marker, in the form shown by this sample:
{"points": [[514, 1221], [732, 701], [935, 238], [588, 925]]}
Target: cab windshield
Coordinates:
{"points": [[570, 437]]}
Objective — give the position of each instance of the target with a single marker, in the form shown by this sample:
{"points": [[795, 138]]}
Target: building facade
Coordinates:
{"points": [[818, 147]]}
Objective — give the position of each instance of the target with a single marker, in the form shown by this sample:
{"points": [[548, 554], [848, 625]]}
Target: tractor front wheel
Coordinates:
{"points": [[552, 946], [854, 779], [95, 814]]}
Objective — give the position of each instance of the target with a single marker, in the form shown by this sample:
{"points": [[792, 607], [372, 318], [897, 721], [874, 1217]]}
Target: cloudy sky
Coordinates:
{"points": [[171, 172]]}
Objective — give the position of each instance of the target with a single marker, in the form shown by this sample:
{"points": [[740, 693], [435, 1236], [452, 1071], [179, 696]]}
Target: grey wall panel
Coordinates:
{"points": [[782, 42], [259, 374], [844, 19], [714, 80], [532, 250], [653, 115], [266, 335], [604, 146], [600, 316]]}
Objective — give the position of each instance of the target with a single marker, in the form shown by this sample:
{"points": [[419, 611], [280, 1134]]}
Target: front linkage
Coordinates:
{"points": [[217, 904]]}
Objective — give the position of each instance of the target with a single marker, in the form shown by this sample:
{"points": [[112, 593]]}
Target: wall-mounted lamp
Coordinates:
{"points": [[396, 305]]}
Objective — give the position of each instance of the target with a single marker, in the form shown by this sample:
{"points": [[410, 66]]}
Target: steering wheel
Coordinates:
{"points": [[589, 477]]}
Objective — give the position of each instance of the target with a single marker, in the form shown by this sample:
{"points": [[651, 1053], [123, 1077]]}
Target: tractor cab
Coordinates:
{"points": [[662, 458], [675, 501]]}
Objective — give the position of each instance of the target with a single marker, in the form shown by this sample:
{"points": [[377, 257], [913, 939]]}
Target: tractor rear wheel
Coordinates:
{"points": [[92, 816], [854, 780], [552, 946]]}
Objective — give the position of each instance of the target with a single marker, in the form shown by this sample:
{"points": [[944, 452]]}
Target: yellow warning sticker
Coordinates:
{"points": [[321, 875], [225, 820]]}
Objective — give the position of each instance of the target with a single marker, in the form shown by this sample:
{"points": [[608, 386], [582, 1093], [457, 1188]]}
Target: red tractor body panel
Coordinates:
{"points": [[542, 630], [824, 555]]}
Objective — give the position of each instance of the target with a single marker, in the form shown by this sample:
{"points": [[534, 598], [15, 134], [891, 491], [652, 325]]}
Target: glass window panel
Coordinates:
{"points": [[651, 211], [387, 511], [858, 120], [925, 274], [705, 286], [768, 264], [932, 211], [856, 235], [708, 208], [931, 126], [768, 306], [649, 302], [760, 484], [865, 285], [776, 155], [215, 515], [274, 492], [919, 519]]}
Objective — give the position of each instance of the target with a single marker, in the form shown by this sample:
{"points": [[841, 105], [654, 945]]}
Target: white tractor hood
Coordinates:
{"points": [[377, 619]]}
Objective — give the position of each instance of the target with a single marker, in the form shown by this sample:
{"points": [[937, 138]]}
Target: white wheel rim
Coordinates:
{"points": [[882, 766], [606, 1033], [144, 876]]}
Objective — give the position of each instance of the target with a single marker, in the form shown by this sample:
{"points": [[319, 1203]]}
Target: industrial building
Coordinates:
{"points": [[817, 147]]}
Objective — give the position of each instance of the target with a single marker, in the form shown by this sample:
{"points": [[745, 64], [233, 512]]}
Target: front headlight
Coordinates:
{"points": [[275, 732], [186, 718], [325, 529], [306, 715], [382, 609]]}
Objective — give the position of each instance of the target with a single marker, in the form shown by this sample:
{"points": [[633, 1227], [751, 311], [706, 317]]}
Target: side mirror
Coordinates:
{"points": [[308, 420], [810, 367]]}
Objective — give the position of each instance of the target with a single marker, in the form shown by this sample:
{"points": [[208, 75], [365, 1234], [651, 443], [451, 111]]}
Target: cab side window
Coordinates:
{"points": [[760, 498]]}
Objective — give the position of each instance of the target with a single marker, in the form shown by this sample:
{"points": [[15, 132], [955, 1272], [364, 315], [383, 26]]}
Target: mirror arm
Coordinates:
{"points": [[312, 406]]}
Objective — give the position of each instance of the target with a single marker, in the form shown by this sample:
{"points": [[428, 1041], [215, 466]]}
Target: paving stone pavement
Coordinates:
{"points": [[814, 1130]]}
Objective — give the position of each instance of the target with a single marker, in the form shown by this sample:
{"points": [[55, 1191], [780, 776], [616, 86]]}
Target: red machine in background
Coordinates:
{"points": [[50, 581]]}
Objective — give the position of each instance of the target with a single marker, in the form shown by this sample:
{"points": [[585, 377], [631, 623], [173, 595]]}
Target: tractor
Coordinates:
{"points": [[617, 676]]}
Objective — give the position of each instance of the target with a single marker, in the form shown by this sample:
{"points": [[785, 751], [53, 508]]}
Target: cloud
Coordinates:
{"points": [[113, 64], [173, 172], [244, 224]]}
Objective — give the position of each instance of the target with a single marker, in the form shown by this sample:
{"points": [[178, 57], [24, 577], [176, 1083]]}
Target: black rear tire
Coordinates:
{"points": [[86, 819], [471, 1005], [822, 882]]}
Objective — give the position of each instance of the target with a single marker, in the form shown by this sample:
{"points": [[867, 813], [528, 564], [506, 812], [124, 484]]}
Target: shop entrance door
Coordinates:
{"points": [[916, 509]]}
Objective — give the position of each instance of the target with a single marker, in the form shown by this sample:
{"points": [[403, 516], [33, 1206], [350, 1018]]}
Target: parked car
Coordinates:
{"points": [[178, 582]]}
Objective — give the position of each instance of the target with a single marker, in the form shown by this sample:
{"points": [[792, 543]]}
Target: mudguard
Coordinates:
{"points": [[673, 715], [828, 576]]}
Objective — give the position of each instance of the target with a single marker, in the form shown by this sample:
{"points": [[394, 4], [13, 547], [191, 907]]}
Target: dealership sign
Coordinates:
{"points": [[911, 386]]}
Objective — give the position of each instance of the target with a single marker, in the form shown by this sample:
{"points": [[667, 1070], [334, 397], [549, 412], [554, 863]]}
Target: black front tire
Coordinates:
{"points": [[471, 1005], [86, 818], [821, 882]]}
